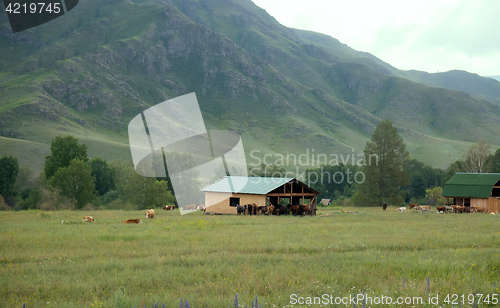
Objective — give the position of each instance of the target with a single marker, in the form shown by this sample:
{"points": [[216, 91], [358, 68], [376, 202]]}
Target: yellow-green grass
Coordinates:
{"points": [[207, 259]]}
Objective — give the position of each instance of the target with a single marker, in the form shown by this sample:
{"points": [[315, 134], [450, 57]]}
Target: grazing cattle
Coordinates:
{"points": [[283, 210], [199, 207], [188, 208], [88, 219], [412, 205], [250, 209], [280, 210], [303, 210], [132, 221], [306, 209], [461, 209], [441, 208], [402, 209], [276, 210], [479, 209], [384, 206], [169, 207], [295, 209], [426, 208], [150, 213], [241, 209], [494, 213], [266, 210]]}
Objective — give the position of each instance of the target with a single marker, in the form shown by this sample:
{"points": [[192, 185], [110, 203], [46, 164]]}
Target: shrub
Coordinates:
{"points": [[120, 298], [119, 204], [50, 200], [89, 207], [109, 196], [3, 205]]}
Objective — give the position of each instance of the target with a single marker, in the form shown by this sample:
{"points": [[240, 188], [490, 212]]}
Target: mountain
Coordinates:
{"points": [[473, 84], [494, 77], [89, 72]]}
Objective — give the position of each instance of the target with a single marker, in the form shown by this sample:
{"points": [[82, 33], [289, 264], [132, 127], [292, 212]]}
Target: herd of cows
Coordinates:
{"points": [[447, 209], [149, 214], [253, 209], [298, 210]]}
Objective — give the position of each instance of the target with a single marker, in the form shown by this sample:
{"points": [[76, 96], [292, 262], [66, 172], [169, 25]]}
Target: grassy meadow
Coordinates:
{"points": [[207, 259]]}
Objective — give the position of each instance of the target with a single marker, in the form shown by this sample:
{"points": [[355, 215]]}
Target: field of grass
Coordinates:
{"points": [[207, 259]]}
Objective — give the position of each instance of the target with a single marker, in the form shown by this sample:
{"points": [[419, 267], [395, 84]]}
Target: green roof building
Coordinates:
{"points": [[474, 189]]}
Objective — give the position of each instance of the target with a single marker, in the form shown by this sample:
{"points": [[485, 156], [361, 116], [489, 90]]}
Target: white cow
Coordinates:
{"points": [[402, 209]]}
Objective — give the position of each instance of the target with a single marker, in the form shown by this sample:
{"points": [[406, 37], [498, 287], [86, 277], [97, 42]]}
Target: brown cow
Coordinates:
{"points": [[479, 209], [188, 208], [169, 207], [306, 208], [261, 210], [441, 208], [293, 208], [132, 221], [254, 209], [88, 219], [150, 213], [412, 205]]}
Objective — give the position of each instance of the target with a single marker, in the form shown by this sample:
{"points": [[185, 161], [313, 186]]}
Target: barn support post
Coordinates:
{"points": [[303, 195], [313, 206]]}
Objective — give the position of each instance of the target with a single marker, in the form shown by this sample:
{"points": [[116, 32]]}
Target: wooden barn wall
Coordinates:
{"points": [[482, 202], [218, 203], [493, 205]]}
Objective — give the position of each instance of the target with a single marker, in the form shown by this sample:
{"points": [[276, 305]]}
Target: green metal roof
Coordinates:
{"points": [[250, 185], [471, 185]]}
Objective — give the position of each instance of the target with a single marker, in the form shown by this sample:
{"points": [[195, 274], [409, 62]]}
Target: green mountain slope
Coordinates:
{"points": [[285, 91], [473, 84]]}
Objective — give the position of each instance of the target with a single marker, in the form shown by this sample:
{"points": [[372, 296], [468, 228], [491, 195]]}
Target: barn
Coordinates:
{"points": [[220, 197], [473, 189]]}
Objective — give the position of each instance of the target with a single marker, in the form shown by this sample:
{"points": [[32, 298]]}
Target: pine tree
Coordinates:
{"points": [[385, 174]]}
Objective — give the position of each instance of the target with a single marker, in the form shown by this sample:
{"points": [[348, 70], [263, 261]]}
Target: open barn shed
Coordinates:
{"points": [[220, 197], [474, 189]]}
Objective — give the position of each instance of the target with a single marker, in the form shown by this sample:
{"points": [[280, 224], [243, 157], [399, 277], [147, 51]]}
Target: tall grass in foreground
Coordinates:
{"points": [[208, 259]]}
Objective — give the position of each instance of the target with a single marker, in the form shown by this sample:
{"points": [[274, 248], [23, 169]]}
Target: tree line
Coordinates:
{"points": [[396, 178], [71, 180]]}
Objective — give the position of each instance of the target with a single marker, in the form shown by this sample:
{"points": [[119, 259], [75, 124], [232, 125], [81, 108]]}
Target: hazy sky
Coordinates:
{"points": [[428, 35]]}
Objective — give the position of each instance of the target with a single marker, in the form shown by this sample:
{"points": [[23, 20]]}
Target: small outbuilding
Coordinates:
{"points": [[326, 201], [473, 189], [221, 197]]}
